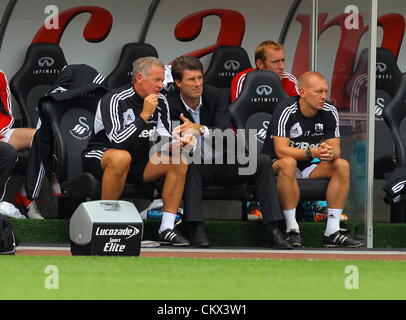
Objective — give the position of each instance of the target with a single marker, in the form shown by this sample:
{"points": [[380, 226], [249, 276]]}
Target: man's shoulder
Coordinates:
{"points": [[215, 97], [244, 72], [330, 111], [210, 90], [173, 97], [290, 103], [329, 107], [288, 76], [119, 93], [290, 83]]}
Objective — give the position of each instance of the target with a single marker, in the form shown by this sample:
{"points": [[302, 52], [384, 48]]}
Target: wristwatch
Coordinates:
{"points": [[309, 154], [202, 130]]}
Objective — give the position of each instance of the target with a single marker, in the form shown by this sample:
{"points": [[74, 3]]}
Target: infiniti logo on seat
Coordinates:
{"points": [[264, 90], [46, 62], [380, 66], [231, 65]]}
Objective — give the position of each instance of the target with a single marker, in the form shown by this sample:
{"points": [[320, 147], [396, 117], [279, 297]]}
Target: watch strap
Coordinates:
{"points": [[309, 154]]}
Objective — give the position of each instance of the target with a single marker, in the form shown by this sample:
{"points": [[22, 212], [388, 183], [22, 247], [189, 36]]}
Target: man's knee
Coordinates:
{"points": [[342, 166], [287, 167], [118, 160]]}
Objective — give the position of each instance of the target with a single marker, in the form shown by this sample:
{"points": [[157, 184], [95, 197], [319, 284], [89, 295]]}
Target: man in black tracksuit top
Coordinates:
{"points": [[119, 149], [306, 127]]}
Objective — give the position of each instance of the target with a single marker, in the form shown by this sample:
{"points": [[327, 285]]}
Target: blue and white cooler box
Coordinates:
{"points": [[110, 228]]}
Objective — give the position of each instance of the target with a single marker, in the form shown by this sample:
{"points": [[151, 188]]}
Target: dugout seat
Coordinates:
{"points": [[394, 115], [122, 73], [225, 63], [252, 112], [388, 77], [42, 64]]}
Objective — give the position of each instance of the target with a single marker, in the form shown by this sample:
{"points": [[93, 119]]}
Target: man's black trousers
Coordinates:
{"points": [[8, 157], [204, 175]]}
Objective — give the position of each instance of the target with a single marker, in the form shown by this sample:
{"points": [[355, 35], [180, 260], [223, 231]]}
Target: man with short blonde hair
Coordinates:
{"points": [[269, 55]]}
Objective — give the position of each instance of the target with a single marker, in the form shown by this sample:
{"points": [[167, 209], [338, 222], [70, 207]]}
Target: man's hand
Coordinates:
{"points": [[150, 104], [1, 136], [326, 152], [187, 127], [188, 139], [186, 142]]}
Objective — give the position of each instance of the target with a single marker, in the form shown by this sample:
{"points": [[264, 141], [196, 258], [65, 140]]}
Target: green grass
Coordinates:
{"points": [[24, 277], [222, 233]]}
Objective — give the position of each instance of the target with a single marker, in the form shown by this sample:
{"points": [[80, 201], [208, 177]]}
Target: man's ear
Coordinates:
{"points": [[260, 65], [138, 77], [178, 83], [302, 92]]}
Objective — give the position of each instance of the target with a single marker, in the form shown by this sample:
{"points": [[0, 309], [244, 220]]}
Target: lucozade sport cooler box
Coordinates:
{"points": [[112, 228]]}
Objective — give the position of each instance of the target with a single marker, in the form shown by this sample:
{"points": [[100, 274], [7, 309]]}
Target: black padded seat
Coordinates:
{"points": [[42, 64], [388, 77], [394, 115], [122, 73], [225, 63]]}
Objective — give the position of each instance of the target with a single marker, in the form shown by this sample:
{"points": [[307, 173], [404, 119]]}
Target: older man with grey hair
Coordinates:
{"points": [[119, 149]]}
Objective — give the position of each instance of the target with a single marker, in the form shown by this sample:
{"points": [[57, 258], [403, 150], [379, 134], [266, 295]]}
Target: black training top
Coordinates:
{"points": [[118, 123], [289, 122]]}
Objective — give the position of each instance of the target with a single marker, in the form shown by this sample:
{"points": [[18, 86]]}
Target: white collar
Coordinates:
{"points": [[190, 109]]}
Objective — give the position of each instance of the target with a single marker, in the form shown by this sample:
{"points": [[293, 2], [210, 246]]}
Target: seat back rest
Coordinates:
{"points": [[256, 130], [262, 92], [388, 73], [76, 129], [72, 126], [394, 115], [42, 64], [225, 63], [384, 148], [388, 77], [122, 73]]}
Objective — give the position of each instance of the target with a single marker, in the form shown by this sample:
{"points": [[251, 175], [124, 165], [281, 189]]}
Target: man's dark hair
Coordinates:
{"points": [[183, 63]]}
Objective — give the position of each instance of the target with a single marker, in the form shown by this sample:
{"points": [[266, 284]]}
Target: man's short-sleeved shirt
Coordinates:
{"points": [[289, 122]]}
